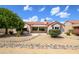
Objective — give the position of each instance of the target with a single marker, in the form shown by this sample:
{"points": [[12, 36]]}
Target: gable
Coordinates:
{"points": [[68, 23], [56, 25]]}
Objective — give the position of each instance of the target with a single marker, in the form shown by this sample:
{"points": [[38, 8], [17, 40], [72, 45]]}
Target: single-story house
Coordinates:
{"points": [[71, 24], [42, 27]]}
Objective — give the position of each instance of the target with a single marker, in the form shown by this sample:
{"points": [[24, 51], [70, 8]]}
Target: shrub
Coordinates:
{"points": [[18, 33], [54, 32], [70, 31], [11, 32], [67, 33]]}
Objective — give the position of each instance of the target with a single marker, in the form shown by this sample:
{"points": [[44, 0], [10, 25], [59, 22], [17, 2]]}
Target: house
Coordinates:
{"points": [[42, 27], [71, 24]]}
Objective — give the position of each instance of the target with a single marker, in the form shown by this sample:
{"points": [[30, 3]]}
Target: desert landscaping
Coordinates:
{"points": [[40, 43]]}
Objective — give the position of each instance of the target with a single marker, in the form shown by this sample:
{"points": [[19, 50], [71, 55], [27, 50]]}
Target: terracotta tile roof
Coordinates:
{"points": [[53, 23], [44, 23], [73, 21], [37, 23]]}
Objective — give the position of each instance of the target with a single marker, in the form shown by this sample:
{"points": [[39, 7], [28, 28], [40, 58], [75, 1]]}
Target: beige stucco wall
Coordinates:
{"points": [[68, 26], [14, 30], [28, 27], [49, 27], [2, 30], [57, 25]]}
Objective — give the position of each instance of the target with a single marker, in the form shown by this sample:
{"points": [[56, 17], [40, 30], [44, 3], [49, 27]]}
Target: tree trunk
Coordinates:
{"points": [[6, 31]]}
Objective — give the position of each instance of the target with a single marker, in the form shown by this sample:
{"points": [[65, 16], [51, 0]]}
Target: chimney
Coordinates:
{"points": [[45, 21]]}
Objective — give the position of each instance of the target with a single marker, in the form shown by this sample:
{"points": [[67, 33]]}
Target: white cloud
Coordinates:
{"points": [[26, 20], [67, 7], [31, 19], [62, 22], [47, 18], [42, 9], [27, 7], [42, 20], [55, 10], [63, 15], [34, 18], [77, 9]]}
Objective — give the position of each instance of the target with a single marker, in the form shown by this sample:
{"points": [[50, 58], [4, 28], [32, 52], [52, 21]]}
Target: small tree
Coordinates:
{"points": [[54, 32], [9, 19]]}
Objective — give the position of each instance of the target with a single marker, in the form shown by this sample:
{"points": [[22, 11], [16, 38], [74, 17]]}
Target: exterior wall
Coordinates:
{"points": [[50, 27], [74, 25], [56, 25], [28, 27], [2, 30], [68, 26], [46, 30], [14, 30], [76, 30], [39, 30]]}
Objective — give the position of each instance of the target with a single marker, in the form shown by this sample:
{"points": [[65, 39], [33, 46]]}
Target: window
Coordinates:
{"points": [[35, 28], [41, 29], [52, 27], [56, 27]]}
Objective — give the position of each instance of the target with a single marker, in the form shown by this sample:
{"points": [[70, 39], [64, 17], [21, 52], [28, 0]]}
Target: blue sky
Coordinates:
{"points": [[59, 13]]}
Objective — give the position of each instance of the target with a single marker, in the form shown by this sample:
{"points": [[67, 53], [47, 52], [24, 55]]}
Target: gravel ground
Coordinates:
{"points": [[40, 41]]}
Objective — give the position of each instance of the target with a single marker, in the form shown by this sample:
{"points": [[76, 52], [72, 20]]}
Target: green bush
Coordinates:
{"points": [[18, 33], [67, 33], [11, 32], [54, 32]]}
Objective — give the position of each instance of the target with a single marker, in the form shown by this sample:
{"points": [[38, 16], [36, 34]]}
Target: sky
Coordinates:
{"points": [[40, 13]]}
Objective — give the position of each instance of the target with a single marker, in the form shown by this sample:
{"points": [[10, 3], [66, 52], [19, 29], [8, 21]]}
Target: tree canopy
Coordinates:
{"points": [[9, 19]]}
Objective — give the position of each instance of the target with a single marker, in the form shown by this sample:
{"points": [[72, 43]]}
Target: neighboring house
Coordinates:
{"points": [[2, 30], [42, 27], [71, 24]]}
